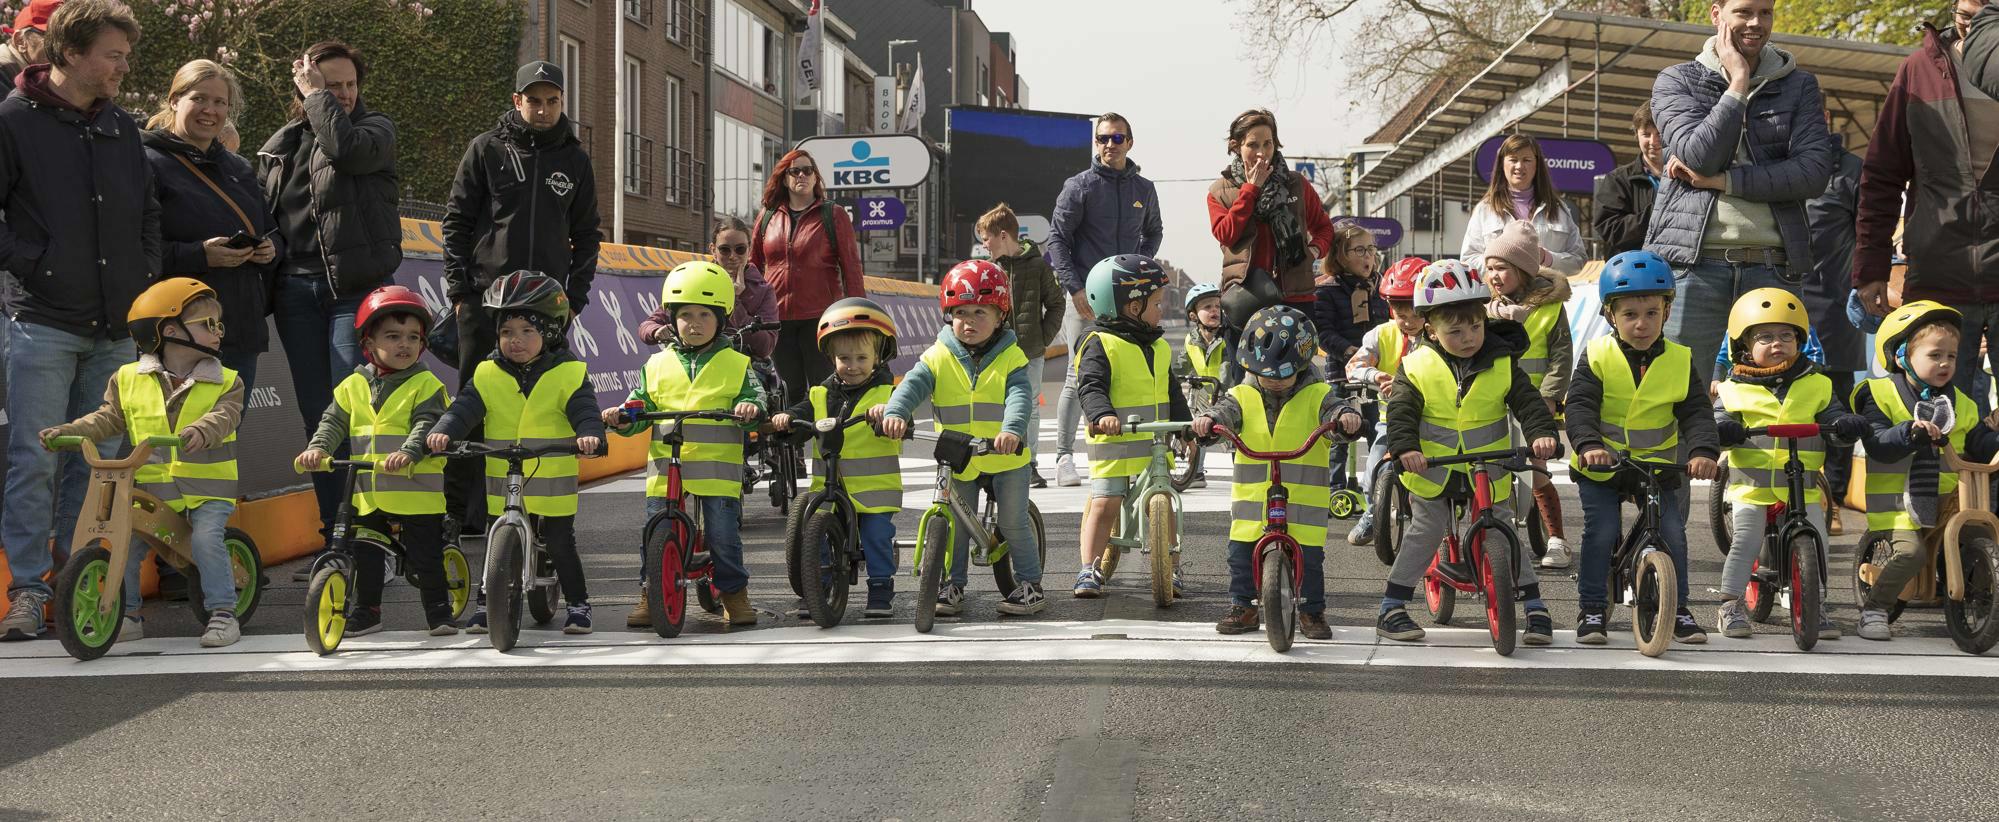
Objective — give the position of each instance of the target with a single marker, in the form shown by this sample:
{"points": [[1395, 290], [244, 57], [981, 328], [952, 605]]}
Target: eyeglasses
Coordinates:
{"points": [[1365, 249], [213, 324], [1775, 337], [737, 250], [1112, 139], [801, 171]]}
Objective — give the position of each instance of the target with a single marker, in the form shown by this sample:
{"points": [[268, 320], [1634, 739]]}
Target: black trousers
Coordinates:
{"points": [[423, 538], [465, 480], [799, 362], [558, 534]]}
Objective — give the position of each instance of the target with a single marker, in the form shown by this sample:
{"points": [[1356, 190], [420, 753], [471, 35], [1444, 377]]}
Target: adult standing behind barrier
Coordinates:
{"points": [[330, 177], [805, 247], [213, 218], [1979, 63], [81, 232], [1746, 146], [524, 199], [1103, 211], [1623, 201], [754, 301], [1271, 227], [1522, 189], [1953, 228], [1843, 347]]}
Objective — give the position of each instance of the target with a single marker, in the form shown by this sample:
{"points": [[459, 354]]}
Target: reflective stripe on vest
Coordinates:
{"points": [[1136, 390], [1540, 329], [1307, 479], [539, 418], [711, 456], [180, 480], [1637, 417], [1205, 359], [870, 464], [1887, 480], [977, 410], [373, 434], [1453, 425], [1756, 468]]}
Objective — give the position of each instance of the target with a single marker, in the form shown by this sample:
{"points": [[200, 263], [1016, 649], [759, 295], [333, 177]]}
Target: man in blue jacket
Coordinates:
{"points": [[1107, 210], [1746, 147]]}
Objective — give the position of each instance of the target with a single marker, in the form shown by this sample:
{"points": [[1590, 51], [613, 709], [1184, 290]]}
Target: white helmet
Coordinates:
{"points": [[1450, 281]]}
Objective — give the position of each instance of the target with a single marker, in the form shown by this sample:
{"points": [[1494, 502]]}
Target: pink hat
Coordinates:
{"points": [[1519, 245]]}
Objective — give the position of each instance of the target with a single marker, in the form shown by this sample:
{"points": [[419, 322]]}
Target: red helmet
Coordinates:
{"points": [[389, 301], [1399, 282], [975, 282]]}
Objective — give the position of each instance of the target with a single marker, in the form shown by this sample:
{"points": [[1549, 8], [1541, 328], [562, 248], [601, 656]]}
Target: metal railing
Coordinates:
{"points": [[638, 165], [420, 209], [684, 174]]}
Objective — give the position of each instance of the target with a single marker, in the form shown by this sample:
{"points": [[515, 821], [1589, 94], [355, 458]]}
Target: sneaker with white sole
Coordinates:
{"points": [[1088, 584], [578, 621], [132, 629], [477, 624], [1558, 554], [1686, 631], [24, 616], [222, 630], [1540, 628], [1733, 617], [1874, 625], [1362, 534], [1828, 629], [1592, 625], [1395, 624], [365, 621], [1025, 599], [1065, 471], [950, 601]]}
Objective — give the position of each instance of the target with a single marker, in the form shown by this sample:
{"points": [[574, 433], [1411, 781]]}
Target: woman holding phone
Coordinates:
{"points": [[214, 223]]}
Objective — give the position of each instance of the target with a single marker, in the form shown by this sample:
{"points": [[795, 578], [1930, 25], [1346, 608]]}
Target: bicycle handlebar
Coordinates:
{"points": [[1955, 463], [1323, 430], [1785, 431], [509, 452], [1199, 383], [74, 441], [980, 445], [1523, 452], [631, 413]]}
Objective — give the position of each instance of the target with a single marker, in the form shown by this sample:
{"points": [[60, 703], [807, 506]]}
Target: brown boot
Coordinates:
{"points": [[1314, 626], [1241, 620], [641, 615], [737, 608], [1832, 526]]}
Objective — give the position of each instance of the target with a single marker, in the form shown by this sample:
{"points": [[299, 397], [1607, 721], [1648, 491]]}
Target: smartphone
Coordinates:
{"points": [[243, 239]]}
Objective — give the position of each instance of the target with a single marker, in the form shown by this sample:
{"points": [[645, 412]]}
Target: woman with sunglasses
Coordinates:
{"points": [[754, 301], [805, 247]]}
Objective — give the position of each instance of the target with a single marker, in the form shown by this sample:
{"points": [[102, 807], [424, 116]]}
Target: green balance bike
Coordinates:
{"points": [[934, 556]]}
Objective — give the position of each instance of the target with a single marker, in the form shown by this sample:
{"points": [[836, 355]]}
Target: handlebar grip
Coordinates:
{"points": [[163, 442], [71, 441], [1793, 430]]}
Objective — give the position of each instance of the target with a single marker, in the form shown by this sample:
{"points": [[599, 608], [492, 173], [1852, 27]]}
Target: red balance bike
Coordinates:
{"points": [[1278, 561], [676, 555], [1483, 560], [1791, 567]]}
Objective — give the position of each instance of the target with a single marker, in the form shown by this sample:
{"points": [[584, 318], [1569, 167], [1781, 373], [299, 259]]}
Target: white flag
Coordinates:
{"points": [[810, 50], [912, 110]]}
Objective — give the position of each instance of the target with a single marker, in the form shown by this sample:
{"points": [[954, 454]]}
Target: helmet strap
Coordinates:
{"points": [[187, 342]]}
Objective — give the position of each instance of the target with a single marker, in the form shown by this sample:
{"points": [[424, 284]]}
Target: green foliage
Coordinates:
{"points": [[1864, 20], [442, 73]]}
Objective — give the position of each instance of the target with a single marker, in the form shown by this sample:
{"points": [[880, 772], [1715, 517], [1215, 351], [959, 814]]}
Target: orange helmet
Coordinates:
{"points": [[858, 314], [164, 301]]}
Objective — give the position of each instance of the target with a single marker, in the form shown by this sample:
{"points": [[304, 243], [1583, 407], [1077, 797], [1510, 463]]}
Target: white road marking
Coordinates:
{"points": [[1109, 640]]}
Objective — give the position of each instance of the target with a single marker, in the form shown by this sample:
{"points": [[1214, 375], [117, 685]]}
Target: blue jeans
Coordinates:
{"points": [[1243, 585], [317, 329], [53, 377], [1702, 297], [1015, 526], [211, 558], [721, 524], [877, 546], [1603, 529], [244, 363], [1035, 367]]}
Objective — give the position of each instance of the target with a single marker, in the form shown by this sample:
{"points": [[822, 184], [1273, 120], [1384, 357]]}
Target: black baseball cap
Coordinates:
{"points": [[539, 71]]}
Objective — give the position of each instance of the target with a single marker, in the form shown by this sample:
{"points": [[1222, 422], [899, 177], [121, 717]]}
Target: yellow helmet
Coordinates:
{"points": [[165, 300], [1901, 323], [701, 283], [1767, 305]]}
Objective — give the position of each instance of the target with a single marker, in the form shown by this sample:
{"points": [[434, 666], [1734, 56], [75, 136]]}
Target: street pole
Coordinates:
{"points": [[619, 163]]}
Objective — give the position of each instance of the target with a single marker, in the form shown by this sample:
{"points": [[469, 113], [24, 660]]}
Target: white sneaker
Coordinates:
{"points": [[1874, 625], [132, 630], [1558, 554], [1065, 471], [222, 631]]}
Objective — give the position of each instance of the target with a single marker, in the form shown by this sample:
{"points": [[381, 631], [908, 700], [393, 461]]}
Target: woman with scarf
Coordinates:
{"points": [[1270, 224]]}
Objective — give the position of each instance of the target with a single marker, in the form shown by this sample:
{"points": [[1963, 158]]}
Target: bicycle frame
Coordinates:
{"points": [[1644, 535], [1788, 516], [1276, 523], [1974, 510], [948, 511], [115, 511], [1156, 479]]}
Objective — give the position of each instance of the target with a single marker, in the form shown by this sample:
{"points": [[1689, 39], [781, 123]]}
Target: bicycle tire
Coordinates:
{"points": [[1183, 474], [936, 553], [1159, 540], [328, 601], [1973, 622], [84, 633], [1389, 504], [665, 552], [1720, 512], [1874, 551], [1108, 560], [246, 568], [794, 520], [825, 581], [1499, 548], [1439, 597], [1003, 567], [544, 602], [1279, 596], [504, 597], [457, 582], [1760, 597], [1803, 574], [1654, 603]]}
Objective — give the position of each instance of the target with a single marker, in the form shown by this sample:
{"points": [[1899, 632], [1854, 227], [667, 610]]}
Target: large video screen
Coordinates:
{"points": [[1012, 156]]}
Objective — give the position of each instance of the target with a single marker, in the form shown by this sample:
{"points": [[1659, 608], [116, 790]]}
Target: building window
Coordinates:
{"points": [[638, 149], [571, 63], [676, 28], [772, 58], [745, 47], [674, 159], [740, 165], [833, 80]]}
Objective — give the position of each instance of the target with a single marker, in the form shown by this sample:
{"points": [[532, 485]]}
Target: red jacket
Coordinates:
{"points": [[806, 270], [1232, 221]]}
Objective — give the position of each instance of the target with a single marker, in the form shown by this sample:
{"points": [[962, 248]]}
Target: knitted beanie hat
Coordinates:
{"points": [[1519, 245]]}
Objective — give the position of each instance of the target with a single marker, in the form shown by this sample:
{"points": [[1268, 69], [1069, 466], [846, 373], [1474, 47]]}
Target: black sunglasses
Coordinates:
{"points": [[1112, 139], [738, 250], [801, 171]]}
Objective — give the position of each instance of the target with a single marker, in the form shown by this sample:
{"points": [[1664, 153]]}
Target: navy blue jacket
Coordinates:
{"points": [[1333, 318], [1102, 213], [191, 214]]}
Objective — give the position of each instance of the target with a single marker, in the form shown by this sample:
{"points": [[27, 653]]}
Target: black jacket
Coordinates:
{"points": [[468, 409], [81, 230], [1832, 216], [1623, 207], [353, 188], [1780, 386], [1093, 374], [1340, 327], [1584, 411], [191, 213], [1897, 441], [1523, 399], [522, 199]]}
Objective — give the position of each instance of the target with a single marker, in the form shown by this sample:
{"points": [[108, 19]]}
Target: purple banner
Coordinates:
{"points": [[1387, 231], [1574, 165]]}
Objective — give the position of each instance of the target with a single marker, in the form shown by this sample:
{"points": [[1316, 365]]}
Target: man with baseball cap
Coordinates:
{"points": [[524, 198], [24, 46]]}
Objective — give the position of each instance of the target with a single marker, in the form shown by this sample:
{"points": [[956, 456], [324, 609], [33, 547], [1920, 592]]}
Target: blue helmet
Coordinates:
{"points": [[1114, 281], [1198, 291], [1277, 342], [1633, 273]]}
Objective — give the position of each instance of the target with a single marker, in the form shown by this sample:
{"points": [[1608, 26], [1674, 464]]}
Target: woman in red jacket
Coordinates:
{"points": [[1267, 218], [805, 247]]}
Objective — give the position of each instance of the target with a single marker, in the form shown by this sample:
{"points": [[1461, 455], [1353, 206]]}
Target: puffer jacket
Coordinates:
{"points": [[1780, 128], [1102, 212], [354, 188], [1546, 288], [1038, 306], [1952, 236]]}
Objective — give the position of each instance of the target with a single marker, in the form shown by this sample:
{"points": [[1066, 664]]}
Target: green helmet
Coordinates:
{"points": [[1114, 281]]}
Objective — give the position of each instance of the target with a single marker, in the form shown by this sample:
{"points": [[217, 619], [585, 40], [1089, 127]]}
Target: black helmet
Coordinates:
{"points": [[1277, 342], [530, 291]]}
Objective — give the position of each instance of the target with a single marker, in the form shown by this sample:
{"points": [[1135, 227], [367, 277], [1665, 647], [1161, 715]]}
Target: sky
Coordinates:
{"points": [[1180, 76]]}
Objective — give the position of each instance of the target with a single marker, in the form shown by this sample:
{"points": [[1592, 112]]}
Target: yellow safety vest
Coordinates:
{"points": [[975, 410], [1540, 329], [1135, 389], [373, 434], [1390, 341], [711, 458], [534, 420], [1756, 468], [870, 464], [1887, 480], [179, 479], [1206, 359], [1453, 425], [1637, 417], [1307, 479]]}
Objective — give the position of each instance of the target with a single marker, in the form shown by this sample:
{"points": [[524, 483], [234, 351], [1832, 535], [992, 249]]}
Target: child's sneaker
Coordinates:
{"points": [[950, 600], [1362, 534], [1241, 620], [1558, 553], [1874, 625], [579, 619], [1088, 584], [477, 624], [1540, 628], [131, 629], [1733, 617], [1025, 599], [803, 610], [222, 630], [1065, 471], [1200, 481], [1591, 627], [441, 623], [1687, 631], [881, 598], [1179, 588], [365, 621], [1395, 624], [1828, 629]]}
